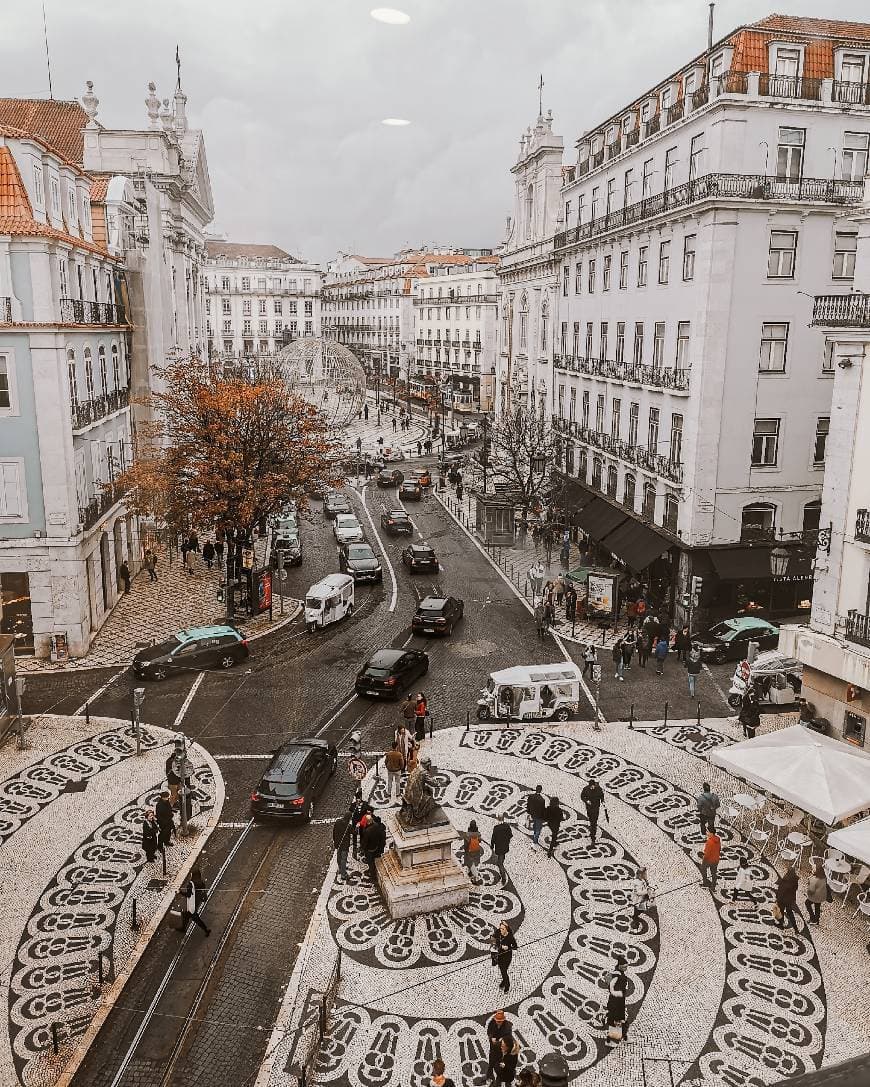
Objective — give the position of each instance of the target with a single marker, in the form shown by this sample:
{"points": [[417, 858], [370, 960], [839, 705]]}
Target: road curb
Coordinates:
{"points": [[113, 995]]}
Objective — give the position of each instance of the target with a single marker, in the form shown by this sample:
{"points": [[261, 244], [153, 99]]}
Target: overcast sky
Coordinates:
{"points": [[290, 95]]}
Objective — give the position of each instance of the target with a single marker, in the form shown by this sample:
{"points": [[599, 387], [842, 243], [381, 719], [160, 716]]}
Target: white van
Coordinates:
{"points": [[328, 601], [537, 692]]}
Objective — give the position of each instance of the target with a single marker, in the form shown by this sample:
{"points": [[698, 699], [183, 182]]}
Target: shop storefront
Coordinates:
{"points": [[756, 579], [16, 618]]}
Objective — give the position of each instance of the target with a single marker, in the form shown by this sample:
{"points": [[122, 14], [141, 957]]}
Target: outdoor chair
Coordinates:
{"points": [[862, 904], [788, 853], [839, 885], [759, 838]]}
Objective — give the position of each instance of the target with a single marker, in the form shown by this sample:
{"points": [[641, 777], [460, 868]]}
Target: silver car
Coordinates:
{"points": [[347, 529]]}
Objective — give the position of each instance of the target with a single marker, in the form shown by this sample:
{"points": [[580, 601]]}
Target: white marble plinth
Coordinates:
{"points": [[419, 873]]}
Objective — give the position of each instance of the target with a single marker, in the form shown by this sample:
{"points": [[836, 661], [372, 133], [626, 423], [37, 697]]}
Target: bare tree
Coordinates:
{"points": [[523, 451]]}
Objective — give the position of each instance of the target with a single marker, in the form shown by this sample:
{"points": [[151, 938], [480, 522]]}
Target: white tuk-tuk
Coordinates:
{"points": [[537, 692], [328, 601]]}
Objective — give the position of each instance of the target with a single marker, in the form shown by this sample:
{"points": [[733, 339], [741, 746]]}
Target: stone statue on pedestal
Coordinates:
{"points": [[418, 801]]}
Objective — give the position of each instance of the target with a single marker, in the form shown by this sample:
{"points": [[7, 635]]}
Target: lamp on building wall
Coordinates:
{"points": [[823, 543], [779, 561]]}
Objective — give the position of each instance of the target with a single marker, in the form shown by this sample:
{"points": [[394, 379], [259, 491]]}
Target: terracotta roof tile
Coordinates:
{"points": [[99, 187], [59, 124], [816, 28], [234, 250]]}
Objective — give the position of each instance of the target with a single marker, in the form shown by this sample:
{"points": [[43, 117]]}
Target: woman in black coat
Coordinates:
{"points": [[617, 987], [554, 816], [504, 945], [150, 834], [507, 1065]]}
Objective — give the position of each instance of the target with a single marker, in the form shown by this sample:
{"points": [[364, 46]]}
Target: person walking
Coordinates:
{"points": [[497, 1028], [165, 819], [744, 884], [629, 641], [501, 843], [358, 809], [786, 897], [694, 664], [536, 809], [590, 658], [648, 630], [471, 850], [404, 739], [682, 643], [710, 858], [189, 561], [817, 893], [421, 711], [208, 553], [510, 1055], [219, 539], [535, 579], [191, 910], [341, 836], [750, 715], [438, 1078], [150, 835], [124, 575], [366, 412], [460, 489], [540, 615], [554, 817], [373, 839], [570, 603], [616, 653], [419, 449], [631, 613], [409, 711], [559, 589], [395, 424], [504, 946], [661, 653], [592, 796], [394, 761], [615, 1018], [151, 564], [642, 649], [641, 897], [707, 802]]}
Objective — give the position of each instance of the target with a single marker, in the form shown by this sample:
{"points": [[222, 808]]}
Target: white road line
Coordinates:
{"points": [[99, 691], [224, 758], [179, 717], [386, 557], [715, 683], [336, 715], [232, 826]]}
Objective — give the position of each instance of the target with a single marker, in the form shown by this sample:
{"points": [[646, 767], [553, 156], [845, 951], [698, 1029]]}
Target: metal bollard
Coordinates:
{"points": [[134, 920], [631, 716], [163, 851], [430, 726], [665, 722], [467, 720], [553, 1070], [377, 769], [55, 1038], [87, 713], [699, 715]]}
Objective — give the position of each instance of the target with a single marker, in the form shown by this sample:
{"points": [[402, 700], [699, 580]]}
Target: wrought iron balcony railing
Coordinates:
{"points": [[851, 94], [701, 96], [862, 526], [85, 412], [858, 627], [5, 310], [676, 111], [842, 310], [101, 503], [78, 311], [639, 455], [783, 86], [658, 377]]}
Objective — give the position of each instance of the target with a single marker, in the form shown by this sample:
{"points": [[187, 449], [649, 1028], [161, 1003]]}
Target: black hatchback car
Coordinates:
{"points": [[437, 615], [294, 779], [420, 557], [386, 672], [199, 647], [396, 523], [360, 561], [410, 490], [389, 477]]}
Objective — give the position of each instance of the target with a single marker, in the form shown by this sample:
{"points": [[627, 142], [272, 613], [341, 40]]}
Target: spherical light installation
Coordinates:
{"points": [[327, 375]]}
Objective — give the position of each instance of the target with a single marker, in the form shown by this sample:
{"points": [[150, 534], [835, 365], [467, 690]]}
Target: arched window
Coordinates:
{"points": [[812, 517], [89, 374], [524, 322], [672, 511], [116, 367], [545, 322], [583, 466], [597, 468], [104, 376], [612, 481], [73, 381], [757, 522], [628, 489], [530, 206], [649, 502]]}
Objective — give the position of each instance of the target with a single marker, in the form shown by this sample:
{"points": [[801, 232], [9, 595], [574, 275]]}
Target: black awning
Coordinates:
{"points": [[599, 518], [636, 544], [741, 563]]}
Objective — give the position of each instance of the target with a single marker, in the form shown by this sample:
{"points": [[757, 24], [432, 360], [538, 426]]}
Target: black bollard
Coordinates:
{"points": [[699, 715], [631, 716], [666, 715], [87, 713], [467, 720], [134, 920], [163, 851], [55, 1038]]}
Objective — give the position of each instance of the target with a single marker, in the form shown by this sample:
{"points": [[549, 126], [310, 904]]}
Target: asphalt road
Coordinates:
{"points": [[211, 1025]]}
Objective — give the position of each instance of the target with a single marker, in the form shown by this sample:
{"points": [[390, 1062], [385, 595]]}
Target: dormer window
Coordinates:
{"points": [[787, 62], [38, 190], [71, 204], [667, 98], [717, 66], [689, 84], [852, 67], [645, 111], [611, 134]]}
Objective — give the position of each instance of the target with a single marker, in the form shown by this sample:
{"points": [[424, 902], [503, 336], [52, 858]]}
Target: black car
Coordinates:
{"points": [[199, 647], [290, 548], [410, 490], [396, 522], [389, 477], [437, 615], [729, 640], [360, 561], [335, 504], [420, 557], [386, 672], [294, 779]]}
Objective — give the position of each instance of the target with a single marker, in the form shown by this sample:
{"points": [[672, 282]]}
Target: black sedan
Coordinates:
{"points": [[386, 672], [420, 558], [437, 615], [294, 779], [389, 477], [334, 505], [200, 647], [410, 490], [358, 560], [729, 640], [396, 523]]}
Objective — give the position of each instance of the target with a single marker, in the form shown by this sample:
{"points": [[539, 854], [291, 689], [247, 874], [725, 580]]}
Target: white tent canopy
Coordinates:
{"points": [[823, 777], [854, 841]]}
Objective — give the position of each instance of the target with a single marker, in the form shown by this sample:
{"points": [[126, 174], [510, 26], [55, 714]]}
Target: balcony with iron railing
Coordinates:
{"points": [[851, 94], [858, 628], [78, 311], [657, 377], [597, 159], [456, 300], [701, 96], [676, 111], [614, 149], [638, 455], [771, 85], [716, 187], [632, 138], [842, 310], [862, 526], [100, 504], [5, 310], [652, 126], [86, 412]]}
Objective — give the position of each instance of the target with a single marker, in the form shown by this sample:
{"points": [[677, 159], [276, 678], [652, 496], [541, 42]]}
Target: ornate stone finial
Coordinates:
{"points": [[548, 120], [90, 103], [166, 118], [152, 104]]}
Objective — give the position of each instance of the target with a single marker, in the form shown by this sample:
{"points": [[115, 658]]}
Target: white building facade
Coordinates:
{"points": [[835, 646], [455, 334], [699, 221], [258, 298]]}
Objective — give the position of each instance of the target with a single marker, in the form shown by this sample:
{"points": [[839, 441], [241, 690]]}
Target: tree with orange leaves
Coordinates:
{"points": [[227, 448]]}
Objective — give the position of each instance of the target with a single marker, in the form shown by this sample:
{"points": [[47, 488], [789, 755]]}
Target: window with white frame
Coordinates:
{"points": [[642, 264], [575, 340], [589, 328], [664, 261], [578, 277], [600, 405], [774, 347], [853, 162], [757, 522], [670, 167], [572, 405], [54, 189], [637, 352], [566, 279], [605, 276], [623, 270], [615, 413], [652, 433], [590, 277], [689, 257], [596, 202], [675, 452], [670, 518], [787, 63], [261, 307], [782, 254], [246, 327], [627, 183], [852, 66], [225, 283], [226, 306], [633, 422], [563, 338], [828, 358], [765, 443], [277, 307], [646, 179], [227, 326], [38, 187], [790, 154], [71, 204], [820, 442], [629, 485], [584, 408], [681, 360], [8, 398], [13, 502], [845, 250], [658, 358], [620, 341], [602, 342]]}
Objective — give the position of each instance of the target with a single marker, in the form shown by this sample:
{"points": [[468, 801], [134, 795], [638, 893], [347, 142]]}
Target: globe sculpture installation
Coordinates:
{"points": [[328, 375]]}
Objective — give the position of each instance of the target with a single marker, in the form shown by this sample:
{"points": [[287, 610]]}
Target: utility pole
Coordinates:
{"points": [[183, 769], [138, 699], [20, 682]]}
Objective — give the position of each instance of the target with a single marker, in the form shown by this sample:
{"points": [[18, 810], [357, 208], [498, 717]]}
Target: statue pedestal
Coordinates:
{"points": [[419, 873]]}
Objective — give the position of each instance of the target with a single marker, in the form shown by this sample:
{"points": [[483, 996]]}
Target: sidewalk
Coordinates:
{"points": [[72, 866]]}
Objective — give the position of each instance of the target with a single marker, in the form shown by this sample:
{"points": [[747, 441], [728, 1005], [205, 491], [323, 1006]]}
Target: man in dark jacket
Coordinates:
{"points": [[786, 896], [501, 843], [707, 803], [358, 809], [341, 835], [497, 1028], [536, 809], [373, 841], [592, 796], [165, 820], [555, 815]]}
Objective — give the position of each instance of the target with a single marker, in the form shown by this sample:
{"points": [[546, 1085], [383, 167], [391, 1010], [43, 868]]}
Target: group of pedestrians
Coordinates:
{"points": [[359, 830], [541, 813]]}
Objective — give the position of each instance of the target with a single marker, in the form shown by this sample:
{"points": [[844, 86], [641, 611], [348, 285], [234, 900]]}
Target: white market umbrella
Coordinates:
{"points": [[854, 840], [823, 777]]}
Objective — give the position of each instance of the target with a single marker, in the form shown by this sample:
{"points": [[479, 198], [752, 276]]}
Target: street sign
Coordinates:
{"points": [[247, 558], [596, 673], [357, 769]]}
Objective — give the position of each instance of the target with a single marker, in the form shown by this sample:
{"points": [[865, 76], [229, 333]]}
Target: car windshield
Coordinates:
{"points": [[398, 515], [166, 647], [278, 788], [424, 552], [360, 551], [723, 630], [432, 605], [314, 603], [347, 521], [287, 541]]}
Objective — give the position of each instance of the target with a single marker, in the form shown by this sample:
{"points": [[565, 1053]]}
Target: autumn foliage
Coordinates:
{"points": [[228, 448]]}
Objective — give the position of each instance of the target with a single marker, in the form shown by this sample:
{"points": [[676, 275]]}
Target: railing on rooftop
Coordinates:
{"points": [[78, 311], [783, 86], [851, 94], [842, 310]]}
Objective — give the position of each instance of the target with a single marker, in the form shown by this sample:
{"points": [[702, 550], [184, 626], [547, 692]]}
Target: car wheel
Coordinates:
{"points": [[158, 673], [425, 668], [228, 661], [309, 811], [482, 713], [561, 714], [350, 609]]}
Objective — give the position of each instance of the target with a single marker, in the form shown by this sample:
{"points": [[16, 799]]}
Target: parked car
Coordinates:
{"points": [[294, 779], [347, 529], [360, 561], [389, 477], [335, 504], [388, 671], [410, 491], [396, 523], [423, 476], [286, 525], [290, 546], [729, 640], [199, 647], [437, 615], [452, 460], [392, 454], [420, 557]]}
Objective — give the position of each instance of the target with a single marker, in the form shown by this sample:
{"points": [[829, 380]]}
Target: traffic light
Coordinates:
{"points": [[355, 743], [697, 585]]}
